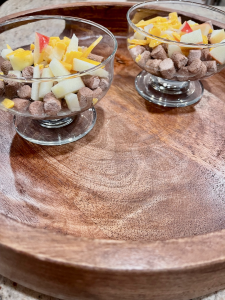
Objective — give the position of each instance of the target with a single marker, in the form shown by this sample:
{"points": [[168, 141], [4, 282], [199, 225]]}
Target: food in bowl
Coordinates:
{"points": [[167, 58], [52, 57]]}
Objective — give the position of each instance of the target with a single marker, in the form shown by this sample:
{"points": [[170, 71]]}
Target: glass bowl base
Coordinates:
{"points": [[58, 131], [167, 92]]}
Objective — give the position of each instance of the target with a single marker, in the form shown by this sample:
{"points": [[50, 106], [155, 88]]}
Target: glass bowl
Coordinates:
{"points": [[172, 65], [58, 122]]}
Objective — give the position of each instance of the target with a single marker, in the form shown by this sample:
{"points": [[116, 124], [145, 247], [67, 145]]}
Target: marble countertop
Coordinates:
{"points": [[11, 290]]}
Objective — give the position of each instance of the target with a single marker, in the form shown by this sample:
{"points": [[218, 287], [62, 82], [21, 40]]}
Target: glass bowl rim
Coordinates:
{"points": [[59, 78], [141, 31]]}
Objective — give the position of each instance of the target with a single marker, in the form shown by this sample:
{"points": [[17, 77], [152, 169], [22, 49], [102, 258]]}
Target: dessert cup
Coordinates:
{"points": [[182, 89], [67, 126]]}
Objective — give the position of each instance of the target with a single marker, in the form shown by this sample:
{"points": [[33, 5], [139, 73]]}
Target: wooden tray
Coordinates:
{"points": [[134, 210]]}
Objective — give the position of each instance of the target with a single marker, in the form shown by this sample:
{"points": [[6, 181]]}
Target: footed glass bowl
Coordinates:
{"points": [[67, 113], [172, 61]]}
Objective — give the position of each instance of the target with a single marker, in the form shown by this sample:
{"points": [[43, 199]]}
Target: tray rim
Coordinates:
{"points": [[192, 254]]}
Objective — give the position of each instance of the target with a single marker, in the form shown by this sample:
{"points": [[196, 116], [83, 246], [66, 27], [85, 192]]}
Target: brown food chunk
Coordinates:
{"points": [[201, 73], [183, 74], [52, 105], [144, 58], [21, 105], [85, 97], [91, 81], [205, 55], [136, 51], [2, 88], [24, 92], [49, 95], [193, 55], [6, 66], [95, 57], [152, 66], [167, 68], [97, 93], [28, 72], [159, 53], [104, 83], [195, 66], [37, 108], [11, 87], [211, 66], [179, 60]]}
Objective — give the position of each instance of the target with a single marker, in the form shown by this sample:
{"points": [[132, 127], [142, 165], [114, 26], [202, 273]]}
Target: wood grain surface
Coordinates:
{"points": [[135, 209]]}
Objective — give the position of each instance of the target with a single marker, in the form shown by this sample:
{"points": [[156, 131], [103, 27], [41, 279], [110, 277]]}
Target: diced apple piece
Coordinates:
{"points": [[18, 74], [57, 68], [21, 60], [57, 53], [190, 22], [173, 48], [148, 27], [35, 85], [72, 102], [218, 53], [73, 45], [80, 65], [139, 36], [41, 41], [186, 27], [45, 87], [217, 36], [47, 53], [4, 52], [194, 37], [205, 28], [67, 86]]}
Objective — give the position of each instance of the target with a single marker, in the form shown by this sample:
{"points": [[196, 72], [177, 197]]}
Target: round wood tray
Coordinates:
{"points": [[134, 210]]}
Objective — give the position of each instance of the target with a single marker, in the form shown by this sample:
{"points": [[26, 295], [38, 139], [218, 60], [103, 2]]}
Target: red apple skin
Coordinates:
{"points": [[186, 27], [43, 41]]}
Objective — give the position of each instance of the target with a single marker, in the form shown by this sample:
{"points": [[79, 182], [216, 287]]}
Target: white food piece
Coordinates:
{"points": [[217, 36], [17, 73], [4, 52], [80, 65], [148, 27], [73, 45], [72, 102], [218, 53], [194, 37], [139, 36], [45, 87], [57, 53], [57, 68], [67, 86], [35, 85], [173, 48], [190, 22]]}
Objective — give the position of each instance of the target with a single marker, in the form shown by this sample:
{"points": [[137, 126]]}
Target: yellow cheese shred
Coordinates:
{"points": [[91, 47], [90, 61]]}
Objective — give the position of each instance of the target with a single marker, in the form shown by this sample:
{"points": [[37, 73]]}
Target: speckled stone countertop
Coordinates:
{"points": [[11, 290]]}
